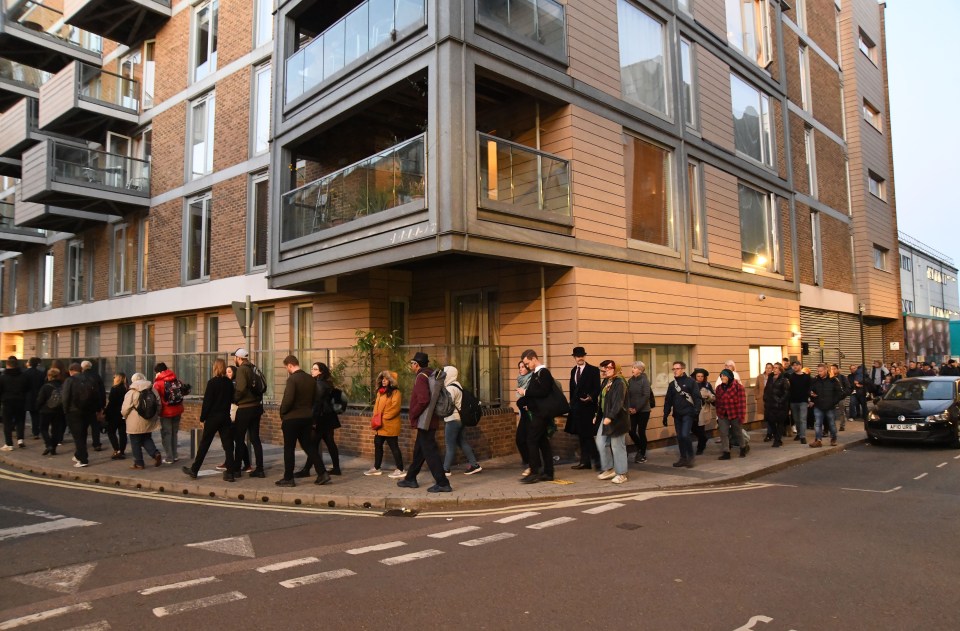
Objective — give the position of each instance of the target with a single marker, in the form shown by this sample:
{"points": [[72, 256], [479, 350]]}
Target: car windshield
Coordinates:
{"points": [[921, 391]]}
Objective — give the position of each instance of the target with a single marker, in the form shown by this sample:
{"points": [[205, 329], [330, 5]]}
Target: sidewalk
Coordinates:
{"points": [[497, 485]]}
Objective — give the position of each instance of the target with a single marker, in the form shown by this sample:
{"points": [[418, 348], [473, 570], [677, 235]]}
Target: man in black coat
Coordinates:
{"points": [[536, 397], [35, 378], [825, 393], [683, 398], [582, 420], [13, 392]]}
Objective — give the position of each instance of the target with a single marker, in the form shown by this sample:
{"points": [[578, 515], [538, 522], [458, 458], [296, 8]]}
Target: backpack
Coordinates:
{"points": [[148, 406], [85, 390], [470, 410], [258, 383], [338, 401], [54, 400], [444, 406], [174, 391]]}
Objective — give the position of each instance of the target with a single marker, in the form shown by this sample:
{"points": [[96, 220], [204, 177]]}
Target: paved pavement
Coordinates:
{"points": [[498, 484]]}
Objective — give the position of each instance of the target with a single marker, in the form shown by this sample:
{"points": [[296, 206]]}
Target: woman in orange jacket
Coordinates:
{"points": [[387, 407]]}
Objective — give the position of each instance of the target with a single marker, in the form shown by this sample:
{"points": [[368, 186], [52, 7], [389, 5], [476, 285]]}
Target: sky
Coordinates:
{"points": [[923, 65]]}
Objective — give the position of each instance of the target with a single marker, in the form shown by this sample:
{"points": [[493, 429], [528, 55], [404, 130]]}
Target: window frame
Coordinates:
{"points": [[125, 260], [688, 62], [211, 333], [148, 79], [867, 47], [665, 71], [872, 115], [76, 262], [143, 253], [762, 34], [212, 43], [253, 226], [45, 280], [671, 353], [696, 209], [298, 333], [906, 263], [209, 102], [806, 93], [669, 191], [800, 13], [816, 237], [771, 229], [810, 155], [880, 258], [258, 107], [768, 149], [906, 305], [206, 226], [91, 341], [874, 181], [262, 9]]}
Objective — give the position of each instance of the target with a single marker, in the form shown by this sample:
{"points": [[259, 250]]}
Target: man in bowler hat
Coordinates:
{"points": [[584, 392]]}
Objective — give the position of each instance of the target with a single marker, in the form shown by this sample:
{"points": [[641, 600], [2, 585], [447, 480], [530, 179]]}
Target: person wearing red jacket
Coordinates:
{"points": [[170, 413], [731, 411], [425, 448]]}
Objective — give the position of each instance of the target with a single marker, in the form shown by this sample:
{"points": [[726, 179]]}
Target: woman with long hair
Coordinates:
{"points": [[116, 428], [612, 432], [215, 417], [387, 408], [325, 420]]}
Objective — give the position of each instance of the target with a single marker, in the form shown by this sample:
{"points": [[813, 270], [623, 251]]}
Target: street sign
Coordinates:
{"points": [[822, 344], [894, 346], [240, 310]]}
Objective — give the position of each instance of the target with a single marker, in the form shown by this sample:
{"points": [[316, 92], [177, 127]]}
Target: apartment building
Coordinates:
{"points": [[650, 179], [928, 279]]}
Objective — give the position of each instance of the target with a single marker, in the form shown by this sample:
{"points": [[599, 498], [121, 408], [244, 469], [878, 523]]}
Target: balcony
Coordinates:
{"points": [[537, 24], [84, 101], [126, 21], [78, 178], [370, 27], [391, 179], [529, 186], [36, 35], [14, 238], [18, 81]]}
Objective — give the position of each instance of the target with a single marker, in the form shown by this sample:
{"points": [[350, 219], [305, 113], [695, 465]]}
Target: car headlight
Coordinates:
{"points": [[943, 416], [873, 416]]}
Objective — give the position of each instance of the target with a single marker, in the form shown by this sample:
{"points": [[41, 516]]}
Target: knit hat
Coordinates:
{"points": [[703, 371], [726, 372]]}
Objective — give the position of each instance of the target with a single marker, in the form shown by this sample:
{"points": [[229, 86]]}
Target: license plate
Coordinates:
{"points": [[902, 427]]}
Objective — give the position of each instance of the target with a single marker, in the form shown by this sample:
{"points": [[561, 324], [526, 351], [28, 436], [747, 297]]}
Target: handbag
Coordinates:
{"points": [[377, 421]]}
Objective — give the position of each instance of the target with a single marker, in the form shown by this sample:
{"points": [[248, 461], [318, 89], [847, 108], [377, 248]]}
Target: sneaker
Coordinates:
{"points": [[74, 458], [167, 461], [398, 473], [373, 471], [446, 472], [607, 475], [474, 468], [20, 444], [247, 469], [78, 465], [408, 484], [436, 488], [641, 460], [619, 479], [221, 467], [525, 473], [6, 448]]}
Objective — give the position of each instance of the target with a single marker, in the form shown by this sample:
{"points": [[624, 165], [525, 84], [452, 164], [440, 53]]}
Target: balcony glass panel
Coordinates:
{"points": [[389, 179], [13, 71], [369, 25], [43, 19], [539, 20], [524, 179], [99, 169], [97, 84]]}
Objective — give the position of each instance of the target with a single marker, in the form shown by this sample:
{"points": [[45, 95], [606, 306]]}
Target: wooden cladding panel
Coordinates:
{"points": [[598, 179], [35, 162], [593, 44], [723, 218], [59, 94], [716, 102], [14, 125], [713, 15]]}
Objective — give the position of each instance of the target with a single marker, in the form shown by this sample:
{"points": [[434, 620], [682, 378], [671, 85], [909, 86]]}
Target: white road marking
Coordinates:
{"points": [[31, 512], [317, 578], [376, 548], [44, 527], [896, 488], [922, 475], [754, 620], [287, 564], [65, 580], [957, 457], [596, 510], [13, 623], [552, 522], [413, 556], [180, 585], [500, 536], [454, 532], [199, 603], [100, 625], [238, 546], [942, 464], [517, 517]]}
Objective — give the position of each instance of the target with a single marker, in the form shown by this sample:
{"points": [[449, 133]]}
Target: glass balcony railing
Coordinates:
{"points": [[99, 169], [389, 179], [96, 84], [541, 21], [18, 73], [35, 16], [7, 221], [366, 27], [522, 179]]}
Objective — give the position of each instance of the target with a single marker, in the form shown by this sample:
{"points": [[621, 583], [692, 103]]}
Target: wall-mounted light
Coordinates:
{"points": [[797, 335]]}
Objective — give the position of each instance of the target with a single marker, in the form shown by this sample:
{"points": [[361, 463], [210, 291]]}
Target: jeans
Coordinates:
{"points": [[140, 442], [394, 444], [819, 416], [521, 436], [248, 421], [538, 446], [454, 435], [858, 407], [425, 450], [613, 451], [14, 418], [295, 430], [117, 433], [638, 431], [51, 428], [799, 413], [212, 427], [79, 422], [169, 429], [682, 425], [725, 427]]}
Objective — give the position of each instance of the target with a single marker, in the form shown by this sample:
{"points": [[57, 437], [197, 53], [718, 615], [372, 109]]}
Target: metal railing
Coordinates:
{"points": [[99, 169], [366, 27], [521, 178], [542, 21], [97, 84], [391, 178], [25, 75], [38, 17]]}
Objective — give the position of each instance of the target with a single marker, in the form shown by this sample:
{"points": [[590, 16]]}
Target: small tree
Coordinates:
{"points": [[368, 345]]}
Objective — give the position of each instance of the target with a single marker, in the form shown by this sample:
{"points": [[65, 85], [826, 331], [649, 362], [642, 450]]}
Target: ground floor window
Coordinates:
{"points": [[760, 356], [659, 359]]}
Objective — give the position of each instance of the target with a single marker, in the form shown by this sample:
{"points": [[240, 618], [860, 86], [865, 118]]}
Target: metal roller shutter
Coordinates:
{"points": [[818, 325], [850, 341], [873, 340]]}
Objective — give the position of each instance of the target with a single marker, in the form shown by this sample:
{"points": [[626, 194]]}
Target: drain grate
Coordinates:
{"points": [[401, 512], [629, 526]]}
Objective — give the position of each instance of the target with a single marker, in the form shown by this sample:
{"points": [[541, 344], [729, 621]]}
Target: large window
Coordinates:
{"points": [[46, 281], [127, 348], [124, 268], [649, 205], [751, 121], [643, 68], [303, 326], [695, 208], [257, 222], [198, 238], [758, 230], [261, 109], [75, 271], [263, 22], [205, 39], [689, 85], [748, 28], [760, 356], [659, 359], [185, 361], [200, 154], [92, 344]]}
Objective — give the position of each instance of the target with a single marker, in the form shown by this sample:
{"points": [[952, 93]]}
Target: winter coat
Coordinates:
{"points": [[299, 395], [677, 402], [243, 396], [420, 400], [135, 423], [638, 389], [13, 386], [114, 403], [456, 393], [217, 399], [41, 403], [799, 388], [731, 400], [829, 392], [708, 410], [324, 416], [387, 406], [166, 410], [613, 404], [35, 380], [776, 397]]}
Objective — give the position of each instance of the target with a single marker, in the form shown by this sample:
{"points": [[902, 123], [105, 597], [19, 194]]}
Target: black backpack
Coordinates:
{"points": [[85, 391], [54, 400], [338, 401], [148, 405], [175, 390], [470, 410]]}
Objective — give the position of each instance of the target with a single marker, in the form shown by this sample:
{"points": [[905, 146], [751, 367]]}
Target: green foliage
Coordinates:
{"points": [[368, 347]]}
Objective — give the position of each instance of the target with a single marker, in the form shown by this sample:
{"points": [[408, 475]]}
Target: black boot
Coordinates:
{"points": [[725, 456]]}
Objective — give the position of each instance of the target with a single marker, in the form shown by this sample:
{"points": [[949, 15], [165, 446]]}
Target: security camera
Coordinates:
{"points": [[762, 296]]}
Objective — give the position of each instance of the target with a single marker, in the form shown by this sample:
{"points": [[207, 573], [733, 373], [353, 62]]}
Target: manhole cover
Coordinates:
{"points": [[629, 526]]}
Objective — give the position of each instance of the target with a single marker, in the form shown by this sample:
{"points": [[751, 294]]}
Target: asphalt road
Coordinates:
{"points": [[861, 540]]}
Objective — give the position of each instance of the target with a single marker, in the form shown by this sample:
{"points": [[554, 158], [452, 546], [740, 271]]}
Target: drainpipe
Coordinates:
{"points": [[543, 314]]}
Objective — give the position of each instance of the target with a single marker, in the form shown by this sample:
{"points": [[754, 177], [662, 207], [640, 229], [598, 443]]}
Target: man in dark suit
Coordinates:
{"points": [[584, 392]]}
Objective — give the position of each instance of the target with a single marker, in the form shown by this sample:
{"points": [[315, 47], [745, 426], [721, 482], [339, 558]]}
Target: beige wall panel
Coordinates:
{"points": [[593, 44], [598, 179], [723, 212], [716, 109], [712, 14]]}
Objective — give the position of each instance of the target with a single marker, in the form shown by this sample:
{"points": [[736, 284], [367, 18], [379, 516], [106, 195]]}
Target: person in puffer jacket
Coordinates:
{"points": [[170, 413]]}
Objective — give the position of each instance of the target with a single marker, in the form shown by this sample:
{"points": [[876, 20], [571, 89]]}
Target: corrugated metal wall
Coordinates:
{"points": [[840, 337]]}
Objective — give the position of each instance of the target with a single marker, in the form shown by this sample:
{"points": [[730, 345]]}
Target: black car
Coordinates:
{"points": [[918, 410]]}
